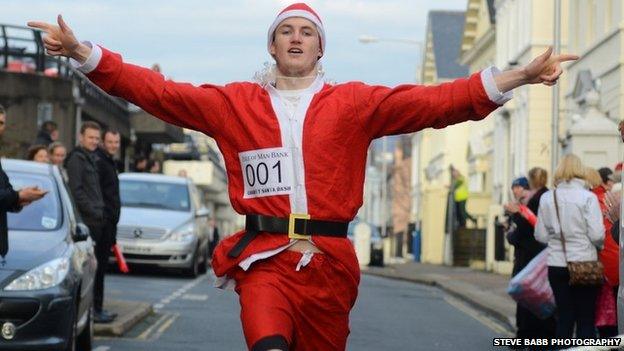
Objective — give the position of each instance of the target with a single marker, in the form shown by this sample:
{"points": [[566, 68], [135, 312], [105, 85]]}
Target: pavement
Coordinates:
{"points": [[482, 290], [129, 313]]}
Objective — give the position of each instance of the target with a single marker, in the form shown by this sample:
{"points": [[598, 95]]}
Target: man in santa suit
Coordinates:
{"points": [[295, 152]]}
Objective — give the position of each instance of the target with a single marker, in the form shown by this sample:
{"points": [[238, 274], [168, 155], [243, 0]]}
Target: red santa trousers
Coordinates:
{"points": [[309, 308]]}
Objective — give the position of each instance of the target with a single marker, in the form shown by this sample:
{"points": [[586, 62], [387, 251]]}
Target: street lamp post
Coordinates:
{"points": [[555, 102]]}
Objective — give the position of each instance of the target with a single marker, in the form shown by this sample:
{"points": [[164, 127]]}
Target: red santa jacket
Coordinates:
{"points": [[340, 123]]}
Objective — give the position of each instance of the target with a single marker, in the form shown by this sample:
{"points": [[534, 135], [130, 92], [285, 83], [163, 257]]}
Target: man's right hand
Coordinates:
{"points": [[59, 40], [30, 194]]}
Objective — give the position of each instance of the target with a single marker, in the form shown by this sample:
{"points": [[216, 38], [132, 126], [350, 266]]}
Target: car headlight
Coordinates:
{"points": [[183, 234], [47, 275]]}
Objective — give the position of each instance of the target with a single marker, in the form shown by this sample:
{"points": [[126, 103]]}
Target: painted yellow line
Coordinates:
{"points": [[165, 326], [146, 333]]}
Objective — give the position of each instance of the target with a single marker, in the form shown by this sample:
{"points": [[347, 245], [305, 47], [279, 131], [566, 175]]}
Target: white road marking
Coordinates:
{"points": [[195, 297], [101, 348], [488, 322], [181, 291]]}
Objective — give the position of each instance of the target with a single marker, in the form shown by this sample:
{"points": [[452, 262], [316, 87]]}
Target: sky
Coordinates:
{"points": [[209, 41]]}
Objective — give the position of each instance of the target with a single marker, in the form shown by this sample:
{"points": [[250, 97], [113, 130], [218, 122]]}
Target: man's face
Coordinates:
{"points": [[2, 123], [296, 47], [90, 139], [54, 135], [111, 143], [518, 192], [58, 155]]}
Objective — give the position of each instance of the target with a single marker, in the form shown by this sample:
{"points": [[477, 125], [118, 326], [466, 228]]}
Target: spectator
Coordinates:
{"points": [[606, 175], [48, 133], [140, 164], [609, 256], [58, 152], [526, 248], [579, 221], [11, 200], [84, 184], [153, 166], [7, 149], [38, 153], [460, 196], [109, 185]]}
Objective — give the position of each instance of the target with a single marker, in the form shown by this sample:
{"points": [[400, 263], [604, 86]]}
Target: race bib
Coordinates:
{"points": [[267, 172]]}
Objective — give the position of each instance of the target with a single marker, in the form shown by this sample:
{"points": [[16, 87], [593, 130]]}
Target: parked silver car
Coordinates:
{"points": [[163, 222]]}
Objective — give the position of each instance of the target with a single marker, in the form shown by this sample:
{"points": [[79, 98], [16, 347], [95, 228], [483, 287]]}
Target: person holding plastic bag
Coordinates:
{"points": [[534, 310]]}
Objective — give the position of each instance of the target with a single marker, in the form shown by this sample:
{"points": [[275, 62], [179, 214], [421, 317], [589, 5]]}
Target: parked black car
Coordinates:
{"points": [[46, 278]]}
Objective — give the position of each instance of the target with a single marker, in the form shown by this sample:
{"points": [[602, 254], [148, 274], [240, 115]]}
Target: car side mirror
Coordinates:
{"points": [[202, 212], [81, 233]]}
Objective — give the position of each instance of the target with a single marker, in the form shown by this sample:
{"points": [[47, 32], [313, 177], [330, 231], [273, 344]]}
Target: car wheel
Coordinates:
{"points": [[71, 341], [203, 267], [193, 270], [84, 340]]}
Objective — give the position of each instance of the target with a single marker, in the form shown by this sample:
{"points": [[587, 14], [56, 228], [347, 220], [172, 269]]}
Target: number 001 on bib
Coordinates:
{"points": [[267, 172]]}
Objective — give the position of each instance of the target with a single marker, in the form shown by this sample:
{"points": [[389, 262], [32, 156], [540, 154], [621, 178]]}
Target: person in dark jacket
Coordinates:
{"points": [[109, 185], [526, 248], [48, 133], [11, 200], [84, 183]]}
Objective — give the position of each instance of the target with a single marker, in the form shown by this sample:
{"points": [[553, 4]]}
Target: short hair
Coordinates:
{"points": [[55, 145], [538, 177], [605, 174], [89, 125], [2, 110], [49, 126], [109, 131], [592, 177], [33, 150], [569, 167]]}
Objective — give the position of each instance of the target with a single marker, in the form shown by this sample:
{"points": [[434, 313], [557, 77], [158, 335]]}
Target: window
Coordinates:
{"points": [[41, 215], [44, 112], [158, 195]]}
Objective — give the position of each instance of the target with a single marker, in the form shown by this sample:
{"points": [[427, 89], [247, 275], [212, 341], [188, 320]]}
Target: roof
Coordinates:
{"points": [[27, 166], [447, 29], [151, 177]]}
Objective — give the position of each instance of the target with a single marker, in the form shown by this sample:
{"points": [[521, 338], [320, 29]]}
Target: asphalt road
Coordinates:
{"points": [[389, 315]]}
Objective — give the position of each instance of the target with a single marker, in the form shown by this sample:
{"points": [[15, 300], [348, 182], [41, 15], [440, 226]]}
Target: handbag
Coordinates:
{"points": [[585, 273]]}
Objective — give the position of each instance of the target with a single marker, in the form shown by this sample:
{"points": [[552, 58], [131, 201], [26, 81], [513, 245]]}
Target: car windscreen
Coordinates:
{"points": [[151, 194], [42, 215]]}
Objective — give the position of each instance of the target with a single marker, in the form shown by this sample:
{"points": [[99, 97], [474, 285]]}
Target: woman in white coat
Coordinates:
{"points": [[583, 230]]}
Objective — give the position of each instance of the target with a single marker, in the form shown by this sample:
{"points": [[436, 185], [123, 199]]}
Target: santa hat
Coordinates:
{"points": [[298, 10]]}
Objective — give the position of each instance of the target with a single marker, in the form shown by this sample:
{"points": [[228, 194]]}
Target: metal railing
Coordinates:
{"points": [[25, 44]]}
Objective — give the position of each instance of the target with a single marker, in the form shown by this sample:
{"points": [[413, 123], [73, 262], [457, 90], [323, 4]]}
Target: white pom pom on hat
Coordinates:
{"points": [[298, 10]]}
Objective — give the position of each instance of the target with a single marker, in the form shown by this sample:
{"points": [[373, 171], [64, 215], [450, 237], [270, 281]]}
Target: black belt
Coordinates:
{"points": [[296, 226]]}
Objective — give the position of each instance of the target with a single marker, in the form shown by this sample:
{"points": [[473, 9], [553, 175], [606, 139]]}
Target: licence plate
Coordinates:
{"points": [[136, 249]]}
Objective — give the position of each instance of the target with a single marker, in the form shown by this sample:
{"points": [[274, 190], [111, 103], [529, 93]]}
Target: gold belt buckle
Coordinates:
{"points": [[291, 226]]}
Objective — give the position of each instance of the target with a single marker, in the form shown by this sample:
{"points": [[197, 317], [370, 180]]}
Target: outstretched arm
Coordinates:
{"points": [[410, 108], [200, 108]]}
